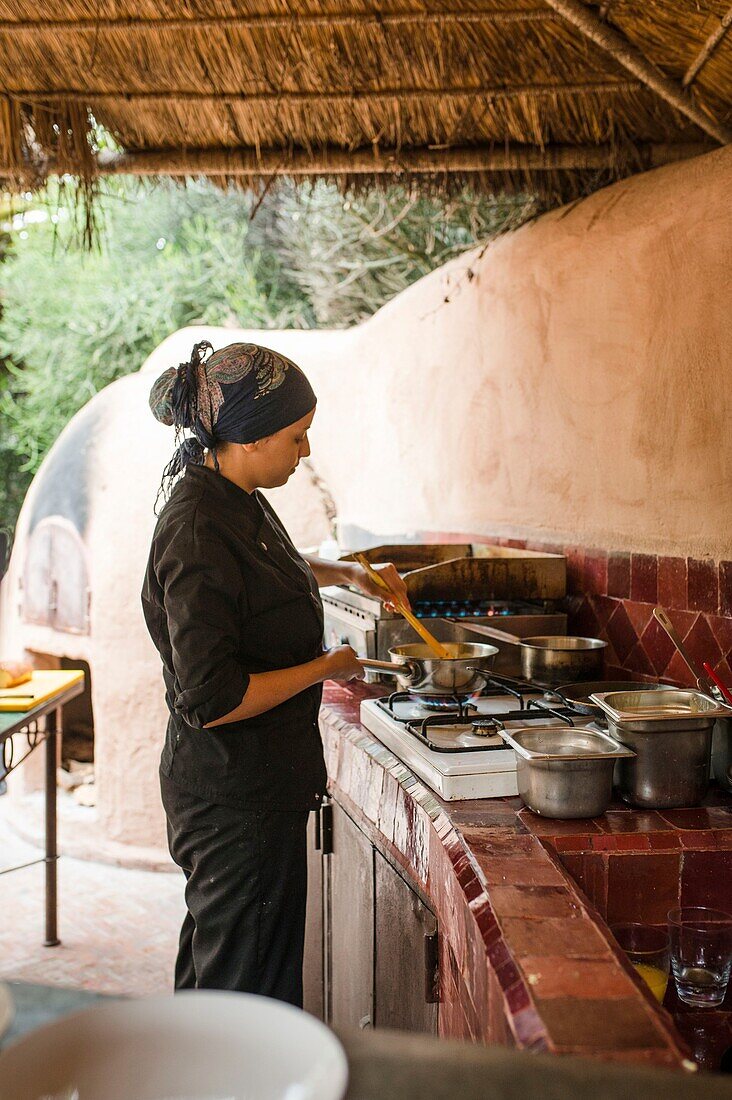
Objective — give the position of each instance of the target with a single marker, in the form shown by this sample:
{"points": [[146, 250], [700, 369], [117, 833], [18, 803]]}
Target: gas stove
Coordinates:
{"points": [[456, 747], [455, 587]]}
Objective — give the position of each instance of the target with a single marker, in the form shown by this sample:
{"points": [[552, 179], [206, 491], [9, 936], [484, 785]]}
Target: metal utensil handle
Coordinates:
{"points": [[484, 673], [539, 704], [702, 682], [489, 631]]}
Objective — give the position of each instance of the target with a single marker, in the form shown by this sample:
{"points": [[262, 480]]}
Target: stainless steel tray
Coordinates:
{"points": [[554, 743], [671, 705]]}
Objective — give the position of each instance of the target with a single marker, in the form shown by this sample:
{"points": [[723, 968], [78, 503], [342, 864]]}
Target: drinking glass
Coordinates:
{"points": [[701, 954], [649, 951]]}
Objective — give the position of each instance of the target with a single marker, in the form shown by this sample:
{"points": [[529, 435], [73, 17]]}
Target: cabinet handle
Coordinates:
{"points": [[365, 1022], [431, 968]]}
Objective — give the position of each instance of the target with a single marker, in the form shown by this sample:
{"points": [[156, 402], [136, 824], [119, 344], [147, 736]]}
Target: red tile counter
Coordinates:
{"points": [[525, 956]]}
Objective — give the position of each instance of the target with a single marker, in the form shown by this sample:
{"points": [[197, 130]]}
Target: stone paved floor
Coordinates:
{"points": [[118, 927]]}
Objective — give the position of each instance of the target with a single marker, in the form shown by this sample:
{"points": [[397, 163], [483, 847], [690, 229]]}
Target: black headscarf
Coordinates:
{"points": [[239, 394]]}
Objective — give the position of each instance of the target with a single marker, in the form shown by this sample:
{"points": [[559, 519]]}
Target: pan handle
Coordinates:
{"points": [[484, 673], [387, 668]]}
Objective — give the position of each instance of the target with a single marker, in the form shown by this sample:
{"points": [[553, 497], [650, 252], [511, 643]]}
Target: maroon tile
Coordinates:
{"points": [[618, 574], [548, 827], [575, 556], [700, 817], [638, 661], [517, 997], [703, 582], [677, 672], [640, 614], [664, 841], [603, 606], [634, 821], [642, 887], [557, 976], [644, 577], [595, 580], [698, 840], [621, 632], [534, 901], [599, 1025], [672, 590], [589, 871], [721, 628], [725, 587], [701, 643], [519, 872], [658, 646], [707, 879], [570, 843], [582, 619], [682, 621], [632, 842], [555, 936]]}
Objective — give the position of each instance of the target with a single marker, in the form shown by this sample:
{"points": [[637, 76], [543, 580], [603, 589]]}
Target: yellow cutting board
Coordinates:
{"points": [[40, 688]]}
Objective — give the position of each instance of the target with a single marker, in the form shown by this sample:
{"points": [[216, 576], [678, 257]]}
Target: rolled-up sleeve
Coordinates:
{"points": [[205, 605]]}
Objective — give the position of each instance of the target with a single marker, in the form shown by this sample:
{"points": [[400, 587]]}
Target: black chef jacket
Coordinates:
{"points": [[226, 594]]}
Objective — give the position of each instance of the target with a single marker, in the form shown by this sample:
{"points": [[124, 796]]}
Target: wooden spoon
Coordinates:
{"points": [[437, 648]]}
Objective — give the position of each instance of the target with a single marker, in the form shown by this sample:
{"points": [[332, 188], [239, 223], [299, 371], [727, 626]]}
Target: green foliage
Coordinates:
{"points": [[72, 321]]}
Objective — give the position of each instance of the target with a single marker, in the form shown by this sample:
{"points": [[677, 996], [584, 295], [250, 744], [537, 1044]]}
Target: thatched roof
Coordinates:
{"points": [[554, 94]]}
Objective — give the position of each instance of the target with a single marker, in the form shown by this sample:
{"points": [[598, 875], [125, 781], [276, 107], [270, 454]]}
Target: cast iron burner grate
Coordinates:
{"points": [[487, 725], [455, 705]]}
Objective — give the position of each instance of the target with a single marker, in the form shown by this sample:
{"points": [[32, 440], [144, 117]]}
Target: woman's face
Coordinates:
{"points": [[275, 458]]}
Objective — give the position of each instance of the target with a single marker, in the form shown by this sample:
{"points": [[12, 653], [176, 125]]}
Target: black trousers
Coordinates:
{"points": [[246, 873]]}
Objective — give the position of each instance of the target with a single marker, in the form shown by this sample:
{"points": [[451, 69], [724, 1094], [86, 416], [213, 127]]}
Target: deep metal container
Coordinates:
{"points": [[671, 734], [565, 772], [722, 751]]}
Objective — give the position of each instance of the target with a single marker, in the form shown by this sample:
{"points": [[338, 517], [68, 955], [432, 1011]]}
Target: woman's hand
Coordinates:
{"points": [[388, 573], [343, 664]]}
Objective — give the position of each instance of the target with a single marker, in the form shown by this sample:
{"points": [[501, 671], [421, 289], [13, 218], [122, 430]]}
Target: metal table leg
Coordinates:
{"points": [[52, 727]]}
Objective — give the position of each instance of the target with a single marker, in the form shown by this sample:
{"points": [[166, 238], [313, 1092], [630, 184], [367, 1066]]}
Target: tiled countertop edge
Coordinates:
{"points": [[521, 950]]}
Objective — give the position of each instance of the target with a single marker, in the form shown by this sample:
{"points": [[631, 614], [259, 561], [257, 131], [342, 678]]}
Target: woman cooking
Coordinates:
{"points": [[236, 616]]}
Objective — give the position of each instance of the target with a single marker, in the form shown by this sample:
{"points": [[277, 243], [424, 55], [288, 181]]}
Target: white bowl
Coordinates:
{"points": [[199, 1045]]}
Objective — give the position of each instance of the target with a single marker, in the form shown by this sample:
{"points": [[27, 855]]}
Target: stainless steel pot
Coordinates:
{"points": [[671, 734], [418, 671], [551, 659], [558, 659], [722, 751], [565, 773]]}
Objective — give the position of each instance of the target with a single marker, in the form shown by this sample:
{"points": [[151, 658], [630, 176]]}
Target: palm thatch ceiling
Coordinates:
{"points": [[556, 95]]}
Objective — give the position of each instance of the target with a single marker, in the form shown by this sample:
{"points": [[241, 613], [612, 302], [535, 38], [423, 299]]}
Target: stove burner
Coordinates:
{"points": [[455, 705]]}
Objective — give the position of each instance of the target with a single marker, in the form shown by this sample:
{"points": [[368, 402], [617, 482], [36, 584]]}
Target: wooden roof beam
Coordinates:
{"points": [[378, 161], [280, 22], [630, 57], [708, 49], [281, 98]]}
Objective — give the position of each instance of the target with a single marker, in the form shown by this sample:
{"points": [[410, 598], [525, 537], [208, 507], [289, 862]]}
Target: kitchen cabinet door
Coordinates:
{"points": [[350, 924], [313, 971], [406, 955]]}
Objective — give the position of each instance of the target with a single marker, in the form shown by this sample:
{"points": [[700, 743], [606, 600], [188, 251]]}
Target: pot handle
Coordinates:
{"points": [[485, 673], [387, 668]]}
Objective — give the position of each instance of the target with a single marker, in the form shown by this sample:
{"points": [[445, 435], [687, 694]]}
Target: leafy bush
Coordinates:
{"points": [[72, 321]]}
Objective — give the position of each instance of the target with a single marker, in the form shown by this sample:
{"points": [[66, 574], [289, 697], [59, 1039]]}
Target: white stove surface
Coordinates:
{"points": [[488, 772]]}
